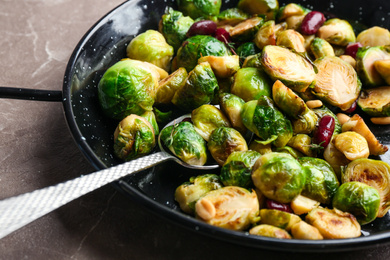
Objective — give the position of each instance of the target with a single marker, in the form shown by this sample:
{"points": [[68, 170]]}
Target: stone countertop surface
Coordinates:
{"points": [[37, 150]]}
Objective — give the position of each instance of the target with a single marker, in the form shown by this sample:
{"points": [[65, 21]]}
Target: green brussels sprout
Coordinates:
{"points": [[152, 47], [232, 105], [174, 26], [302, 143], [279, 176], [199, 8], [321, 181], [168, 86], [246, 30], [199, 88], [359, 199], [268, 33], [134, 137], [266, 121], [253, 61], [306, 123], [184, 142], [292, 69], [151, 117], [127, 87], [291, 9], [196, 47], [375, 173], [289, 150], [365, 60], [247, 49], [323, 111], [222, 66], [224, 141], [321, 48], [266, 230], [337, 31], [251, 83], [291, 39], [269, 8], [232, 16], [237, 168], [256, 145], [229, 207], [383, 68], [190, 192], [336, 82], [374, 36], [375, 101], [163, 117], [278, 218], [206, 119]]}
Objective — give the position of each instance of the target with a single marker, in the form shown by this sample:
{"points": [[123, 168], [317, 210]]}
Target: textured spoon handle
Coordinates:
{"points": [[18, 211]]}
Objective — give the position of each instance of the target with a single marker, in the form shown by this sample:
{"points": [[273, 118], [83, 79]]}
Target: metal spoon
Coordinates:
{"points": [[18, 211]]}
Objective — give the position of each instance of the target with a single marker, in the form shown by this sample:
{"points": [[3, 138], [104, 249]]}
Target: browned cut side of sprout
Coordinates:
{"points": [[302, 230]]}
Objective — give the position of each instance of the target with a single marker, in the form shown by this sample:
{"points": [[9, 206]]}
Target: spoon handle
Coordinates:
{"points": [[18, 211]]}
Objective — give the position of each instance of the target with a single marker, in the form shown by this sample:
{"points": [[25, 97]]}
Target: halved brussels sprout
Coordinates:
{"points": [[174, 26], [365, 60], [323, 111], [302, 230], [374, 36], [269, 8], [167, 87], [247, 49], [352, 145], [251, 83], [290, 68], [321, 48], [321, 180], [294, 22], [306, 123], [383, 68], [232, 105], [232, 16], [279, 176], [291, 39], [207, 118], [278, 218], [127, 87], [151, 117], [266, 121], [196, 47], [246, 30], [199, 8], [359, 199], [224, 141], [302, 143], [291, 9], [222, 66], [265, 230], [375, 173], [190, 192], [184, 142], [267, 34], [238, 167], [199, 88], [335, 158], [336, 82], [134, 137], [152, 47], [303, 205], [337, 31], [253, 61], [256, 145], [229, 207], [375, 101]]}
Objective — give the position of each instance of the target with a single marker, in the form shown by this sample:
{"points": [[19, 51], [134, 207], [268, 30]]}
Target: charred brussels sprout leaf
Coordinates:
{"points": [[199, 8], [184, 142], [337, 31], [359, 199], [269, 8], [375, 101], [365, 64]]}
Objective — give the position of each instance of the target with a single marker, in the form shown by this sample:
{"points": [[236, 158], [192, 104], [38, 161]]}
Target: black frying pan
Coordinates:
{"points": [[104, 44]]}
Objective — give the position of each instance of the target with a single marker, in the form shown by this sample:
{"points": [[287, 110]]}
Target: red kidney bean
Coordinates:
{"points": [[352, 49], [222, 35], [271, 204], [312, 22], [351, 109], [323, 133], [204, 27]]}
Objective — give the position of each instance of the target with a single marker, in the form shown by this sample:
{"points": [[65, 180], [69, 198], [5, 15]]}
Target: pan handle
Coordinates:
{"points": [[31, 94]]}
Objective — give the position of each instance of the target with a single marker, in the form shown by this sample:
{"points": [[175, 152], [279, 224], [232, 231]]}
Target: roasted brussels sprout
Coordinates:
{"points": [[289, 150], [335, 158], [374, 36], [151, 117], [207, 118], [352, 145], [302, 230], [253, 61], [302, 143], [199, 88], [290, 68], [365, 60], [374, 173], [190, 192], [199, 8], [359, 199], [196, 47], [383, 68], [134, 137], [229, 207], [266, 230], [174, 26], [321, 180], [251, 83], [152, 47], [167, 87], [375, 101], [256, 145], [337, 31], [269, 8], [237, 168], [266, 121], [247, 49], [232, 105], [222, 66], [279, 176], [232, 16], [127, 87], [246, 30], [291, 39], [303, 205], [321, 48], [291, 9], [224, 141], [278, 218], [266, 35], [184, 142], [306, 123], [336, 82]]}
